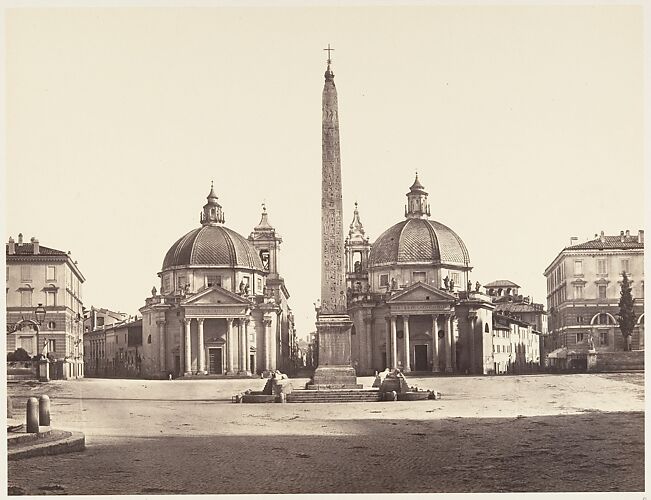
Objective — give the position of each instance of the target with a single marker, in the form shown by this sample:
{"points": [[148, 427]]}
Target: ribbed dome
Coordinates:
{"points": [[213, 245], [418, 240]]}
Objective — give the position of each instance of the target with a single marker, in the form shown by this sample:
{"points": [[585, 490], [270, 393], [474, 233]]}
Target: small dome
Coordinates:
{"points": [[213, 246], [418, 241]]}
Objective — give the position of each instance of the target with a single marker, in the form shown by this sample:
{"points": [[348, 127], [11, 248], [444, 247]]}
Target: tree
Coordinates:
{"points": [[626, 316], [19, 354]]}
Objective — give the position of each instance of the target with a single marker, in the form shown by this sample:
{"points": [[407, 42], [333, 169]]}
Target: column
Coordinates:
{"points": [[274, 344], [267, 344], [387, 348], [161, 345], [242, 346], [202, 350], [435, 343], [187, 349], [247, 348], [453, 345], [405, 329], [181, 350], [447, 326], [230, 348], [394, 344], [369, 344], [473, 325]]}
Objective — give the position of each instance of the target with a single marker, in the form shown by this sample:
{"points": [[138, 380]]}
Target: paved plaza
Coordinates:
{"points": [[511, 433]]}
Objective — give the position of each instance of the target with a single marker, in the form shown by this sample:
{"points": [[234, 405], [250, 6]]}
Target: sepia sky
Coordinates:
{"points": [[525, 124]]}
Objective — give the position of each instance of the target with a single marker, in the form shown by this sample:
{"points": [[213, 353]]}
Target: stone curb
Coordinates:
{"points": [[70, 442]]}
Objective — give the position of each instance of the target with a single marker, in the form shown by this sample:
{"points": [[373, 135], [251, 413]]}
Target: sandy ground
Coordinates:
{"points": [[520, 433]]}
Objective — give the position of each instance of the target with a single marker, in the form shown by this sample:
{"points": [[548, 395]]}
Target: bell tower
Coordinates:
{"points": [[266, 242], [357, 249]]}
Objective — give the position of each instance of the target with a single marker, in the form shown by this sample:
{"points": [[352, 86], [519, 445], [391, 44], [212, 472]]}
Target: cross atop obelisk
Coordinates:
{"points": [[329, 49]]}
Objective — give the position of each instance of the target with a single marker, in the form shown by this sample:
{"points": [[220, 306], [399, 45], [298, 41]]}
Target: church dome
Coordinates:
{"points": [[212, 246], [418, 241]]}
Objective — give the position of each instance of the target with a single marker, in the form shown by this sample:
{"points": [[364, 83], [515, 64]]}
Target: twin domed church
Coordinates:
{"points": [[222, 307]]}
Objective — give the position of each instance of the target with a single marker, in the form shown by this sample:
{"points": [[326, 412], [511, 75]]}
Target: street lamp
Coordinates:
{"points": [[39, 312]]}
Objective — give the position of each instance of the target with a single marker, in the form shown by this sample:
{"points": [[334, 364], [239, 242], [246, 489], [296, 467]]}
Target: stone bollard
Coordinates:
{"points": [[32, 415], [44, 410]]}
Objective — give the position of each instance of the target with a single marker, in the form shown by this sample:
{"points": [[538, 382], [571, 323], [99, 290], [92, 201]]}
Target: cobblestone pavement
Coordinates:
{"points": [[520, 433]]}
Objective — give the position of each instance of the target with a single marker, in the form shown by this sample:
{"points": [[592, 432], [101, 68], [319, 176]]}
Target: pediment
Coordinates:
{"points": [[421, 292], [215, 295]]}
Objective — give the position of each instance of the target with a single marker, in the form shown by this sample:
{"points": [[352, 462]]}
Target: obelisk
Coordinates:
{"points": [[333, 323]]}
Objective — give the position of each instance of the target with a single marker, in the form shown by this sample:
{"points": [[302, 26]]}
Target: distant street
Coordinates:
{"points": [[512, 433]]}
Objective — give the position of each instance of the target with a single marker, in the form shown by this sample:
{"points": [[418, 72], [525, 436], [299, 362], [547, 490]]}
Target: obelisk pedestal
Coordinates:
{"points": [[333, 323]]}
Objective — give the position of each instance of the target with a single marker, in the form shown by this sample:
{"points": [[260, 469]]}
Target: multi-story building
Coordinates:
{"points": [[583, 292], [114, 349], [516, 345], [38, 275]]}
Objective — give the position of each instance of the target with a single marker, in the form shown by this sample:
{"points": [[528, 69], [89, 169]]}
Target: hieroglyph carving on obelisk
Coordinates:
{"points": [[333, 284]]}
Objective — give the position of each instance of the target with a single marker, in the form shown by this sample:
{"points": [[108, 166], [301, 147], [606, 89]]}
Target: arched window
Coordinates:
{"points": [[149, 339], [51, 325], [352, 330], [486, 329]]}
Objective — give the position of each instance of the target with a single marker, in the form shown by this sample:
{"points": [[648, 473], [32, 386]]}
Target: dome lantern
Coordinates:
{"points": [[417, 206], [212, 211]]}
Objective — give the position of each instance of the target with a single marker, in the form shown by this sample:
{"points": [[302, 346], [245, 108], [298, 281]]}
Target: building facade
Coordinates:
{"points": [[222, 308], [583, 292], [410, 299], [41, 275], [114, 348]]}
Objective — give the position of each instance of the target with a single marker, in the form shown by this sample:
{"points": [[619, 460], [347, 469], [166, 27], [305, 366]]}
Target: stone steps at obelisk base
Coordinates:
{"points": [[334, 396]]}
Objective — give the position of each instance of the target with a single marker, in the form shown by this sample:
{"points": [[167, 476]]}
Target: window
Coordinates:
{"points": [[180, 282], [384, 280], [601, 266], [26, 273], [100, 321], [419, 276], [455, 277], [50, 273], [486, 328], [579, 336], [213, 279], [580, 319], [50, 298], [264, 257], [51, 325], [603, 338], [149, 339], [578, 291], [166, 284], [603, 319], [578, 268], [51, 345], [602, 291], [625, 266], [26, 298]]}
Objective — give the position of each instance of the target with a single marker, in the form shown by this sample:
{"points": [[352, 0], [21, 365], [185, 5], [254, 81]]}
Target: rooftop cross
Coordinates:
{"points": [[329, 49]]}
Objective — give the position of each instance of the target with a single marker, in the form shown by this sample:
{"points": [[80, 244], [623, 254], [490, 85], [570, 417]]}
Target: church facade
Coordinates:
{"points": [[222, 307], [411, 300]]}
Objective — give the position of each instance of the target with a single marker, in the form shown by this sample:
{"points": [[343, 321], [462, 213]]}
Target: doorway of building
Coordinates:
{"points": [[420, 358], [215, 360], [252, 362]]}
